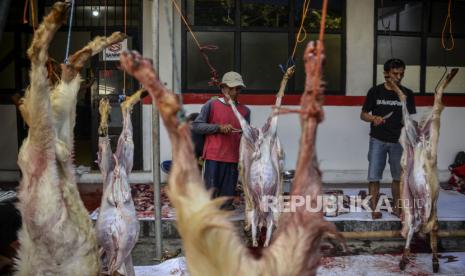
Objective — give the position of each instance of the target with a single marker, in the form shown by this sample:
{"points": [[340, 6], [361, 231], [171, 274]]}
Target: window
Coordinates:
{"points": [[412, 31], [254, 37], [93, 18], [93, 13]]}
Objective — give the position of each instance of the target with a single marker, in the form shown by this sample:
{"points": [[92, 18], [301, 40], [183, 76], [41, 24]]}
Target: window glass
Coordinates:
{"points": [[260, 57], [332, 65], [258, 13], [96, 13], [312, 21], [211, 12], [111, 82], [400, 15], [198, 72], [437, 58], [7, 53], [261, 41], [405, 48], [57, 49]]}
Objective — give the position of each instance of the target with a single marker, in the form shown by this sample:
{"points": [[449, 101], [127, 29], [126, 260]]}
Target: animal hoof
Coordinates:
{"points": [[376, 215], [402, 264], [435, 266]]}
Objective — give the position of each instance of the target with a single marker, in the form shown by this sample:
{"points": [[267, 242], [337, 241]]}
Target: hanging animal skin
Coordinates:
{"points": [[420, 184], [117, 224], [261, 166], [57, 237]]}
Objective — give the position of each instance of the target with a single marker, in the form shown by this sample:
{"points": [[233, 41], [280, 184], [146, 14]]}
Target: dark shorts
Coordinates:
{"points": [[378, 152]]}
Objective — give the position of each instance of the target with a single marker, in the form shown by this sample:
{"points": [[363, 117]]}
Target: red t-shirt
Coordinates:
{"points": [[219, 146]]}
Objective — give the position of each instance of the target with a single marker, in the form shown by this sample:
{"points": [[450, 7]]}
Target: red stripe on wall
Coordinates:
{"points": [[330, 100]]}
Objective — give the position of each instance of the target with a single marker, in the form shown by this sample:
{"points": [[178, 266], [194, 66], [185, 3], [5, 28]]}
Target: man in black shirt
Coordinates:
{"points": [[385, 126]]}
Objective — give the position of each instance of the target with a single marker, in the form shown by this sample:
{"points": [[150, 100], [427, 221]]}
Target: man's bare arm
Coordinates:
{"points": [[367, 117]]}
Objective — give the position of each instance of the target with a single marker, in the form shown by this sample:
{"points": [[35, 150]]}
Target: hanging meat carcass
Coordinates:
{"points": [[261, 165], [57, 237], [117, 224], [420, 184], [211, 243]]}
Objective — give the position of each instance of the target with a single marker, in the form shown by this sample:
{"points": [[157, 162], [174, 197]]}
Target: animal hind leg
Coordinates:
{"points": [[405, 256], [125, 148], [64, 96], [104, 159], [269, 228], [254, 222], [78, 59], [434, 246], [129, 267], [36, 102]]}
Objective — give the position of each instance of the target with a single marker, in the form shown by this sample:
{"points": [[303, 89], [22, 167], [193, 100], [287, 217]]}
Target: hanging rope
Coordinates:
{"points": [[387, 28], [104, 58], [214, 80], [298, 40], [448, 21], [24, 20], [443, 74], [320, 40], [68, 42], [290, 61], [33, 14], [125, 31]]}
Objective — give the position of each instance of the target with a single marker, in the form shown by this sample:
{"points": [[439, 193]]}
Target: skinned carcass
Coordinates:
{"points": [[57, 237], [261, 162], [420, 184], [212, 245], [117, 224]]}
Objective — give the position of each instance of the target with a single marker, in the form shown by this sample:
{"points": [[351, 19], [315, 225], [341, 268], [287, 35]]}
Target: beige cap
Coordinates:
{"points": [[232, 79]]}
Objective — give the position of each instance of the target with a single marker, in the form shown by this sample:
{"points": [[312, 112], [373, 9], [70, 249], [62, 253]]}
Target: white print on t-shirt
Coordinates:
{"points": [[384, 102]]}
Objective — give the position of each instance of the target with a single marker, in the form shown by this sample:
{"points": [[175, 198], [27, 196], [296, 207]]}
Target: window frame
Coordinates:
{"points": [[237, 29], [21, 63], [424, 34]]}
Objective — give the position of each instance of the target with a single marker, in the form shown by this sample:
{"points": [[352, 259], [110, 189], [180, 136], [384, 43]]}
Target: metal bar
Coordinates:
{"points": [[156, 135]]}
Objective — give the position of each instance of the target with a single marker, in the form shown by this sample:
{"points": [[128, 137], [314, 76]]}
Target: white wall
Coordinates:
{"points": [[342, 141], [360, 46]]}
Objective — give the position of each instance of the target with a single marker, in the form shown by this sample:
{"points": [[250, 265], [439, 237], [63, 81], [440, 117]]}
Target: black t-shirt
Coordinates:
{"points": [[380, 102]]}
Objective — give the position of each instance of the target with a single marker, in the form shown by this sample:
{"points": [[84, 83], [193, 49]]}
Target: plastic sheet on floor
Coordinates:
{"points": [[451, 263], [171, 267]]}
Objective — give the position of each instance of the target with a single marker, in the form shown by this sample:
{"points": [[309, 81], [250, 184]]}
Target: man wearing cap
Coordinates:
{"points": [[222, 137]]}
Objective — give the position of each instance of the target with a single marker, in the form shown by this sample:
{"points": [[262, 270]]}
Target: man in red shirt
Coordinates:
{"points": [[222, 137]]}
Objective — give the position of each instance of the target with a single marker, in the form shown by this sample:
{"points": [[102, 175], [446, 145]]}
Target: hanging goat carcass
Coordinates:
{"points": [[211, 243], [420, 184], [117, 224], [261, 165], [57, 237]]}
